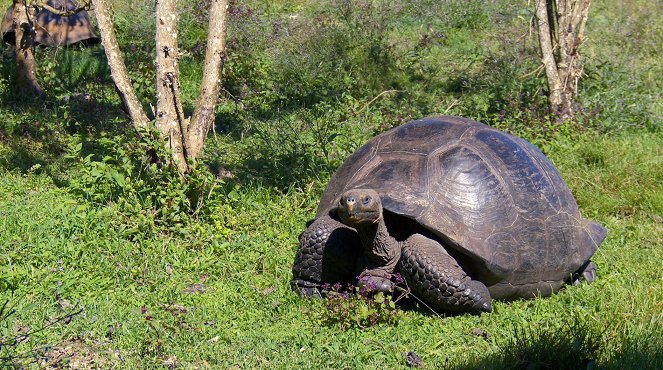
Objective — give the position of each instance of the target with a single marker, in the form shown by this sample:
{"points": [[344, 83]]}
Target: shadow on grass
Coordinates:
{"points": [[38, 131], [81, 107], [279, 152], [573, 346]]}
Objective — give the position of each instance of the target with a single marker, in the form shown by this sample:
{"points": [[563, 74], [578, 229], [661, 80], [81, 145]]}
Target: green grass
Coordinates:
{"points": [[198, 274], [56, 244]]}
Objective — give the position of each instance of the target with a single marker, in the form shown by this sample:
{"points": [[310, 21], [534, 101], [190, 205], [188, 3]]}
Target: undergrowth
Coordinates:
{"points": [[130, 174]]}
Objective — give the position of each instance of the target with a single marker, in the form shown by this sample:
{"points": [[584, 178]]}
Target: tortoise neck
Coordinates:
{"points": [[382, 251]]}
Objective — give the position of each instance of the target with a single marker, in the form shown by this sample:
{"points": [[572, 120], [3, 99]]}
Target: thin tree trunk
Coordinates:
{"points": [[571, 35], [26, 67], [555, 89], [118, 69], [203, 115], [170, 118], [561, 27]]}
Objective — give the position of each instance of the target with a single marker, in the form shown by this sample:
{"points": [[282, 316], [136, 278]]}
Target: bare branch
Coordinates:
{"points": [[64, 12], [584, 15], [565, 20], [117, 66], [203, 116], [547, 56]]}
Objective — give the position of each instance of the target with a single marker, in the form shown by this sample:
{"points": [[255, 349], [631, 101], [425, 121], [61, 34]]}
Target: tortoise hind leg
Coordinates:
{"points": [[328, 252], [586, 273], [436, 277]]}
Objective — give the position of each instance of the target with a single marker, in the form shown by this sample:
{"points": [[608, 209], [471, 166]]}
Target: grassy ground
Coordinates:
{"points": [[140, 311], [197, 275]]}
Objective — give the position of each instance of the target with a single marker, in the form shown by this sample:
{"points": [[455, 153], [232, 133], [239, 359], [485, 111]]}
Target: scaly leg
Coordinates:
{"points": [[328, 252], [436, 277]]}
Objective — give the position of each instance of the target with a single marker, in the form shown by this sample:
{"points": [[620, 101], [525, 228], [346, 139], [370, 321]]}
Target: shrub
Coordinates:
{"points": [[128, 172]]}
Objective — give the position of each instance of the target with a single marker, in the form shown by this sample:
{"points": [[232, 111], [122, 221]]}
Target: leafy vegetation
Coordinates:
{"points": [[197, 274]]}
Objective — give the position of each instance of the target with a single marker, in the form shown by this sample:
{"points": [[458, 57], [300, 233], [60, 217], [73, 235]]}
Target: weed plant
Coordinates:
{"points": [[362, 306], [196, 274]]}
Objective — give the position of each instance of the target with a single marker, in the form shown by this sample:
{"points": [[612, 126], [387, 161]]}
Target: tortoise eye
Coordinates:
{"points": [[366, 200]]}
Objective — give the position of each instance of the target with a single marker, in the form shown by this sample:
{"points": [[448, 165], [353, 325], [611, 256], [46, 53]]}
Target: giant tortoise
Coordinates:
{"points": [[464, 212], [55, 30]]}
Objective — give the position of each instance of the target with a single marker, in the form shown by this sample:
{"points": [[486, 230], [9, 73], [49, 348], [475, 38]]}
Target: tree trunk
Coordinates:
{"points": [[203, 115], [170, 117], [118, 69], [561, 28], [555, 88], [26, 76], [183, 137]]}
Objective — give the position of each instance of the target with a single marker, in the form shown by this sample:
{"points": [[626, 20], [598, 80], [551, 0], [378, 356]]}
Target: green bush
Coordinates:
{"points": [[130, 173]]}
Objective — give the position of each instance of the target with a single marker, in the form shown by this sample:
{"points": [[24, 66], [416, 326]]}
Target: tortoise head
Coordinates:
{"points": [[359, 207]]}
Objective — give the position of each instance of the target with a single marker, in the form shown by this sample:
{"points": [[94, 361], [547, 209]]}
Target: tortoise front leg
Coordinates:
{"points": [[328, 253], [436, 277]]}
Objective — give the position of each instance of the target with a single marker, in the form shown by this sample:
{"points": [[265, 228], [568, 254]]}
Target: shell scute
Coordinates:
{"points": [[462, 181], [526, 176]]}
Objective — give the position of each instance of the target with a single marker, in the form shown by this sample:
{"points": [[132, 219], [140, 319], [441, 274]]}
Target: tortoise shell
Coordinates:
{"points": [[493, 198], [55, 30]]}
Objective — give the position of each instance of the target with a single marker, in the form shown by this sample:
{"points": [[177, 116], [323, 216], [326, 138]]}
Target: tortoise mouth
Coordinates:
{"points": [[359, 218]]}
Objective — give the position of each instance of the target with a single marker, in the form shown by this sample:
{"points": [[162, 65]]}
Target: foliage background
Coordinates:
{"points": [[197, 274]]}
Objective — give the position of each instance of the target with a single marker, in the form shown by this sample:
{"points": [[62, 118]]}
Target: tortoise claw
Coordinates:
{"points": [[308, 292], [374, 283], [306, 288]]}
